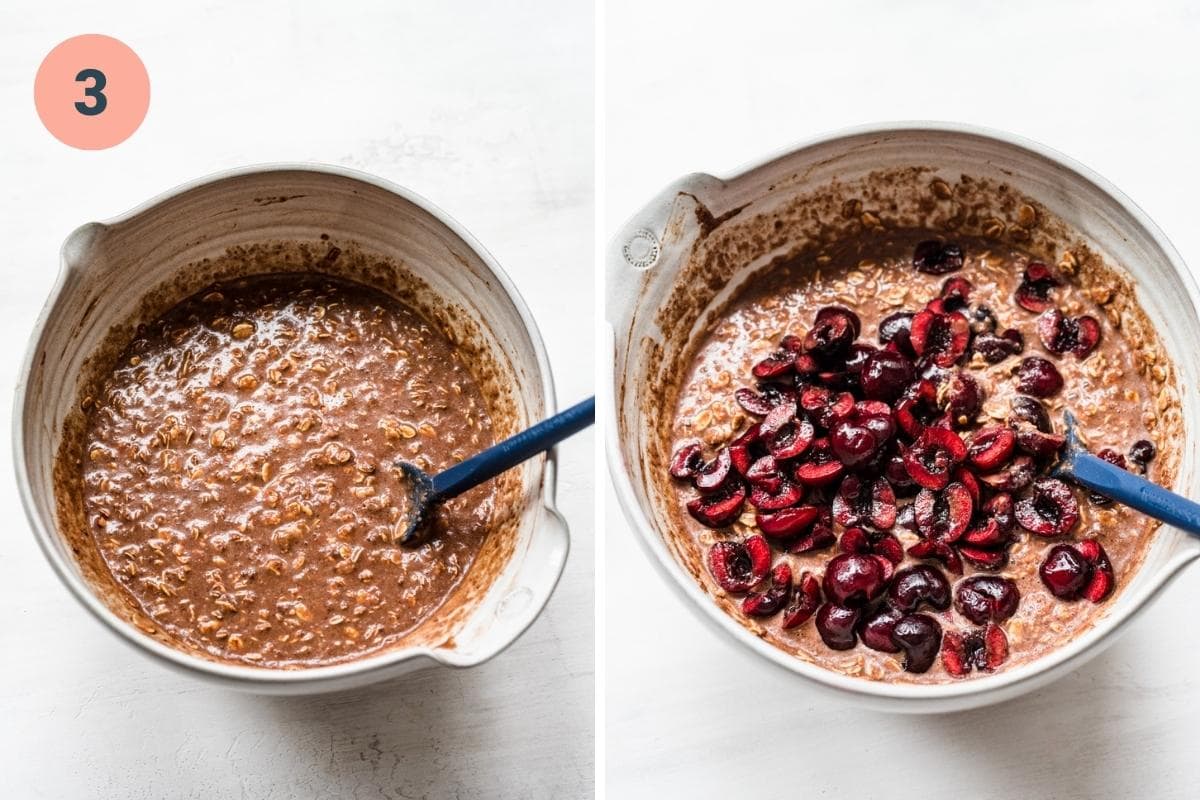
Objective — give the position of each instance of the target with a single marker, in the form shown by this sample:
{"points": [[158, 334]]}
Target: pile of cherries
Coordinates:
{"points": [[847, 429]]}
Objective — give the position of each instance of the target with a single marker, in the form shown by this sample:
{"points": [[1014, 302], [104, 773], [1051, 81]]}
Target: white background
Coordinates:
{"points": [[488, 110], [697, 85]]}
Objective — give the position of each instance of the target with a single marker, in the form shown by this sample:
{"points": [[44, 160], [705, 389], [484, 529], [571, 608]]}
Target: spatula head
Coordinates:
{"points": [[413, 527]]}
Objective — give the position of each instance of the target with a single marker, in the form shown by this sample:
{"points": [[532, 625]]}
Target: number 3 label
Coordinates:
{"points": [[92, 92]]}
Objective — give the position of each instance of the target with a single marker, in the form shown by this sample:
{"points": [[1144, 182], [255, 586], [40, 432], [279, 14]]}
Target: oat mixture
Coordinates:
{"points": [[238, 477], [847, 532]]}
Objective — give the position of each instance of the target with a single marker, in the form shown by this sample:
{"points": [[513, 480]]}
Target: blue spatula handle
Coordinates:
{"points": [[1132, 490], [510, 452]]}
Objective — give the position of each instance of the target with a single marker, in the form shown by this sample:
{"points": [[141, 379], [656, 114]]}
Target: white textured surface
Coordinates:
{"points": [[488, 111], [1106, 82]]}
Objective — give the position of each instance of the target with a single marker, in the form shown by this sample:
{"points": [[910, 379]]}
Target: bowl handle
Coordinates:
{"points": [[650, 237]]}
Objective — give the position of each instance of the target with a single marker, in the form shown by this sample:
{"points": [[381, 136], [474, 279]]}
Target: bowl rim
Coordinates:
{"points": [[975, 691], [362, 670]]}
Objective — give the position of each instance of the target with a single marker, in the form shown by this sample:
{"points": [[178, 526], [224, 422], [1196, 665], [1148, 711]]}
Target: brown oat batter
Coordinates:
{"points": [[239, 480], [875, 279]]}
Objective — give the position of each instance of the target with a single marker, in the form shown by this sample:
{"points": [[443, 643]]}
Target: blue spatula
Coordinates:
{"points": [[425, 490], [1107, 479]]}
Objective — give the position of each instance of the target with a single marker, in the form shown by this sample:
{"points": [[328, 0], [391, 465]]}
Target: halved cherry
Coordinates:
{"points": [[991, 447], [1014, 477], [806, 598], [1036, 284], [766, 603], [1062, 334], [865, 501], [937, 257], [987, 535], [985, 649], [1030, 409], [1038, 377], [984, 558], [714, 474], [766, 398], [939, 551], [967, 478], [740, 566], [819, 536], [764, 472], [955, 293], [943, 338], [778, 363], [1050, 508], [787, 494], [687, 460], [825, 405], [791, 438], [1000, 509], [787, 522], [933, 456], [897, 475], [718, 509], [894, 332], [918, 407], [819, 467], [1102, 580], [741, 449], [964, 398], [995, 349], [833, 330], [858, 540], [1039, 444], [944, 515]]}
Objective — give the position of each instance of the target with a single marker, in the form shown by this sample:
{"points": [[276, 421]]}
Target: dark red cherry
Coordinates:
{"points": [[919, 584], [721, 507], [940, 337], [920, 637], [1049, 509], [876, 629], [933, 456], [1036, 285], [986, 598], [991, 448], [806, 598], [740, 566], [865, 501], [1038, 377], [885, 374], [836, 626], [853, 579], [1062, 334], [687, 460], [944, 515], [832, 333], [1065, 572], [936, 257]]}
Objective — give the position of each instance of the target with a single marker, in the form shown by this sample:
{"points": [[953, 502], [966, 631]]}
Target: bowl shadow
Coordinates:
{"points": [[1042, 741]]}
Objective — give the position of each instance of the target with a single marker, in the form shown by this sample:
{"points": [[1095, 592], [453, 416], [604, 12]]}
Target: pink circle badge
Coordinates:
{"points": [[92, 92]]}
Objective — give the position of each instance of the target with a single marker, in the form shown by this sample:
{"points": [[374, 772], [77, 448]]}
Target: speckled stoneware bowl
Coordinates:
{"points": [[675, 263], [252, 220]]}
